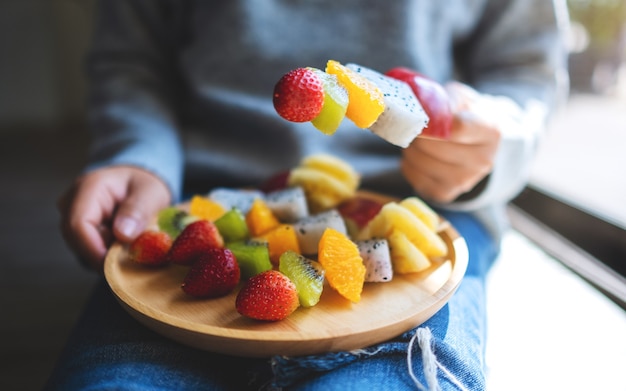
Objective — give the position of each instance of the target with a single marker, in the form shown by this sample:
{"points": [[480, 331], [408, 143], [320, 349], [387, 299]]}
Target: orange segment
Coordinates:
{"points": [[204, 208], [366, 101], [343, 264], [279, 240], [260, 218]]}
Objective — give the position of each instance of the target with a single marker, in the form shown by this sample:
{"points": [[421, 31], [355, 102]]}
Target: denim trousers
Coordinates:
{"points": [[110, 350]]}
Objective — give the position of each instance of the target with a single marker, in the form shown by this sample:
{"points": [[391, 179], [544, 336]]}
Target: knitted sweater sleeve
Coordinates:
{"points": [[516, 59], [132, 97]]}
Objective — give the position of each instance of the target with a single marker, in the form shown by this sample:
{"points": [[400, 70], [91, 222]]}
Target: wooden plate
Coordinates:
{"points": [[154, 297]]}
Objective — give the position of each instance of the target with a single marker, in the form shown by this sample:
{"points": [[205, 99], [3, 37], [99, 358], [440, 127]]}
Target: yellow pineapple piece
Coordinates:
{"points": [[424, 212], [393, 216], [335, 167], [405, 256], [323, 191], [326, 180], [366, 102]]}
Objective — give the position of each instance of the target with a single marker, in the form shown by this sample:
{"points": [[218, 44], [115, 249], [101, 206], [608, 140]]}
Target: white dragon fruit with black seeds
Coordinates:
{"points": [[377, 259], [288, 205], [241, 199], [310, 229], [404, 117]]}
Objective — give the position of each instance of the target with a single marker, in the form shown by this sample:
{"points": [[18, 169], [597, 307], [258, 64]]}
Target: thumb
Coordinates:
{"points": [[146, 196]]}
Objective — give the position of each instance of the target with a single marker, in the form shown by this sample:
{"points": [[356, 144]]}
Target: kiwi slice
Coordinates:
{"points": [[232, 226], [173, 221], [252, 257], [306, 274]]}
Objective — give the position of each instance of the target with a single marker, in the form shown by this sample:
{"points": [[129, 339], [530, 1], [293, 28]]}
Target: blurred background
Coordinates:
{"points": [[581, 164]]}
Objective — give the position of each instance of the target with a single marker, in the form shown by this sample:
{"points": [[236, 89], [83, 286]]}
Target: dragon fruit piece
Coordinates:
{"points": [[240, 199], [311, 228], [377, 259], [404, 117], [288, 205]]}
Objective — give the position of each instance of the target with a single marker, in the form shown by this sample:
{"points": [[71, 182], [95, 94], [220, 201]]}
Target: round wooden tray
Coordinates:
{"points": [[154, 297]]}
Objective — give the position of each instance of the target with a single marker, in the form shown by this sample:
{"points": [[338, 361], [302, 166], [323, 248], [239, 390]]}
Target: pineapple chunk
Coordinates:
{"points": [[405, 256]]}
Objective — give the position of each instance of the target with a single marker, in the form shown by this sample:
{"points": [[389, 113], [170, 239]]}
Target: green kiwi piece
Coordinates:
{"points": [[335, 104], [173, 221], [252, 257], [232, 226], [306, 274]]}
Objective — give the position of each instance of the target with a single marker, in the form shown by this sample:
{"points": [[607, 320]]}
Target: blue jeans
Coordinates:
{"points": [[109, 350]]}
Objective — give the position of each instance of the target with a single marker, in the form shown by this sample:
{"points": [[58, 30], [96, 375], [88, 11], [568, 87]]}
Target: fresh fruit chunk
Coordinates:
{"points": [[323, 191], [268, 296], [215, 273], [260, 218], [434, 100], [232, 226], [340, 258], [252, 257], [275, 182], [289, 204], [334, 166], [299, 95], [204, 208], [335, 104], [307, 274], [173, 220], [280, 239], [393, 216], [357, 212], [310, 229], [403, 118], [366, 101], [405, 256], [241, 199], [420, 209], [150, 248], [197, 238], [376, 259], [325, 179]]}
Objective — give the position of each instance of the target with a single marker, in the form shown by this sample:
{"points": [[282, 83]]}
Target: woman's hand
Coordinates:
{"points": [[108, 204], [442, 170]]}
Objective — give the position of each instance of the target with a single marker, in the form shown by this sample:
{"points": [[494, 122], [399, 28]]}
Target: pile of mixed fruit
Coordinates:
{"points": [[283, 245]]}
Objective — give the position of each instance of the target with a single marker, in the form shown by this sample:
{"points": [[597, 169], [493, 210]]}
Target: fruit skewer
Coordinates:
{"points": [[397, 106]]}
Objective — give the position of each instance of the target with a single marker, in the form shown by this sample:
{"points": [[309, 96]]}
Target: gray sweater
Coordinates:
{"points": [[183, 88]]}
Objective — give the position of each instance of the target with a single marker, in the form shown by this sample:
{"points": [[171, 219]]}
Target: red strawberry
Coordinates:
{"points": [[150, 248], [269, 295], [299, 95], [359, 210], [197, 238], [277, 181], [215, 273]]}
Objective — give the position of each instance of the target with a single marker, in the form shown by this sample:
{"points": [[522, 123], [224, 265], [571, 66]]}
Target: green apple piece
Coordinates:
{"points": [[335, 104], [252, 257], [232, 226]]}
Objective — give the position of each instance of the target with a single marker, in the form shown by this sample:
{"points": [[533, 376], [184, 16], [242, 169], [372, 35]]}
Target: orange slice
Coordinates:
{"points": [[260, 218], [366, 101], [343, 264], [204, 208]]}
